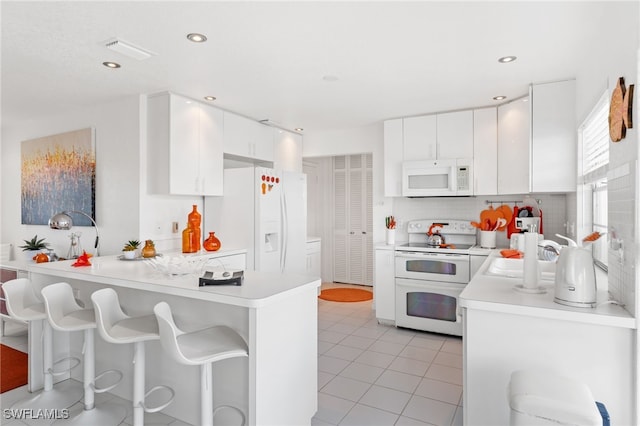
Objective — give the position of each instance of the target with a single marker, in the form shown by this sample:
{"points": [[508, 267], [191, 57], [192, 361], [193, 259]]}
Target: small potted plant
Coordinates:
{"points": [[33, 246], [130, 249]]}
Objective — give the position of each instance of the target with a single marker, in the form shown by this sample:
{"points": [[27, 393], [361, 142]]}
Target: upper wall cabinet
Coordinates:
{"points": [[393, 155], [185, 146], [455, 134], [288, 151], [485, 151], [438, 136], [554, 146], [513, 147], [420, 138], [247, 138]]}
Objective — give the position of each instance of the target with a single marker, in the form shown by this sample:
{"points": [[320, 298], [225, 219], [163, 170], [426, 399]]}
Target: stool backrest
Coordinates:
{"points": [[20, 294], [108, 312], [58, 302], [169, 333]]}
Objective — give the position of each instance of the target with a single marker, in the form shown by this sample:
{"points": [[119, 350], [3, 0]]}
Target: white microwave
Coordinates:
{"points": [[437, 178]]}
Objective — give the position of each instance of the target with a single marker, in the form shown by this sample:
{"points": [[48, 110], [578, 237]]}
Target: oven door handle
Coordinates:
{"points": [[439, 256]]}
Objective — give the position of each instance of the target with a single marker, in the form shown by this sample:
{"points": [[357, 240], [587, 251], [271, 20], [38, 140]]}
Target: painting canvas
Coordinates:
{"points": [[58, 174]]}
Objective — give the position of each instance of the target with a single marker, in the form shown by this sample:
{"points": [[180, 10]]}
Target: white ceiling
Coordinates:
{"points": [[268, 59]]}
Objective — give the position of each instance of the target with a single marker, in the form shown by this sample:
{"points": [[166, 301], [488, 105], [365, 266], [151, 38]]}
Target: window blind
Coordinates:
{"points": [[595, 142]]}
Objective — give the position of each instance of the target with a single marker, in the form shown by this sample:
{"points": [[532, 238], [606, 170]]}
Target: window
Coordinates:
{"points": [[593, 162]]}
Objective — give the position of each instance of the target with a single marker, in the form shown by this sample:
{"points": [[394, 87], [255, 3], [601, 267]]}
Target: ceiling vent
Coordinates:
{"points": [[128, 49]]}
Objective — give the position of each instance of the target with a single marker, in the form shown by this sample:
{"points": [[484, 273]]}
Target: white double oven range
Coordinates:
{"points": [[430, 273]]}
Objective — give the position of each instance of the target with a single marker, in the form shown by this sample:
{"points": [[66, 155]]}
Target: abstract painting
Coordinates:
{"points": [[58, 174]]}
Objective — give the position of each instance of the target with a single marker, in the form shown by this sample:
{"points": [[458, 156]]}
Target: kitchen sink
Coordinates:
{"points": [[513, 268]]}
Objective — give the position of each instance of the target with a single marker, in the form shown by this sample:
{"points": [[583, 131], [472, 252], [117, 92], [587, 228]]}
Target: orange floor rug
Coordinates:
{"points": [[13, 368], [345, 294]]}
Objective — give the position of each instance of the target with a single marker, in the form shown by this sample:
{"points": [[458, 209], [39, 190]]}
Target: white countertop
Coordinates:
{"points": [[497, 294], [311, 239], [259, 288]]}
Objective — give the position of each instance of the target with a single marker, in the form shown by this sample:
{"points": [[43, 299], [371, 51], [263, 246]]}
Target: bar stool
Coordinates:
{"points": [[203, 348], [23, 303], [116, 327], [65, 314]]}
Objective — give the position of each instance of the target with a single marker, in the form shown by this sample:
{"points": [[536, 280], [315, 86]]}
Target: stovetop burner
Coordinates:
{"points": [[459, 236]]}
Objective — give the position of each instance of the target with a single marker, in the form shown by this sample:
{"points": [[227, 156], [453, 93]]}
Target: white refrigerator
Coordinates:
{"points": [[264, 211]]}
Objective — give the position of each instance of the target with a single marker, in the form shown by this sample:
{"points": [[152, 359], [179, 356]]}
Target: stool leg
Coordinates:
{"points": [[47, 355], [138, 383], [89, 369], [206, 395]]}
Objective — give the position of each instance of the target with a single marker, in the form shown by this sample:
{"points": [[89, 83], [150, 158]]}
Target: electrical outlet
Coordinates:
{"points": [[174, 227]]}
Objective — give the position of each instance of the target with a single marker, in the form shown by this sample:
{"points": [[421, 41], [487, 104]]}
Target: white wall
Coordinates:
{"points": [[614, 54], [124, 209], [117, 181]]}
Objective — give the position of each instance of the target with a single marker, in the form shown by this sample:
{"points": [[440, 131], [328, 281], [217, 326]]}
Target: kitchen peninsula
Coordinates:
{"points": [[275, 313], [506, 330]]}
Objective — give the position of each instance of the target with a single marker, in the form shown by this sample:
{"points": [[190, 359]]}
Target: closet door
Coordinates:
{"points": [[353, 243]]}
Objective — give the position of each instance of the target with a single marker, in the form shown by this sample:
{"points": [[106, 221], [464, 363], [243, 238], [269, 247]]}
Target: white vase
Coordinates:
{"points": [[28, 255], [391, 236]]}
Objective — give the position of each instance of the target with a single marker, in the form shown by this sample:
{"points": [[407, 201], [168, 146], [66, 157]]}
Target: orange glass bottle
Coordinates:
{"points": [[194, 223], [188, 240], [212, 243]]}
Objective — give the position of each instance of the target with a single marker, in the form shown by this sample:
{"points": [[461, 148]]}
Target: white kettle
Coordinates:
{"points": [[575, 283]]}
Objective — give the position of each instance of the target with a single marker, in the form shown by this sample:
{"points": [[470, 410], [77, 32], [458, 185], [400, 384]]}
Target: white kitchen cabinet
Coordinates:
{"points": [[420, 138], [393, 156], [438, 136], [314, 249], [247, 138], [384, 288], [455, 134], [287, 151], [554, 146], [485, 151], [513, 147], [185, 146]]}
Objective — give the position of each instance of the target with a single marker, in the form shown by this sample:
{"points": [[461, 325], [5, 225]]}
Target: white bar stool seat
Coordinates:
{"points": [[203, 348], [116, 327], [23, 303], [65, 314]]}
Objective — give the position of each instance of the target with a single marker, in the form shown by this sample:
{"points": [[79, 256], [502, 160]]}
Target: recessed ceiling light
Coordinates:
{"points": [[507, 59], [209, 98], [330, 78], [298, 129], [111, 65], [499, 98], [197, 38]]}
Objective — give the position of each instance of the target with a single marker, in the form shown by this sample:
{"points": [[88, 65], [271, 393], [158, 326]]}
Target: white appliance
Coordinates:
{"points": [[437, 178], [575, 281], [264, 211], [429, 279]]}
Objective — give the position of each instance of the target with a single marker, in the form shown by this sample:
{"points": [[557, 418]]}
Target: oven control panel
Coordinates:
{"points": [[446, 226]]}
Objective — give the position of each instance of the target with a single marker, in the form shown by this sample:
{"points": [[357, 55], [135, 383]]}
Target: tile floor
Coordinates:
{"points": [[372, 374], [368, 374]]}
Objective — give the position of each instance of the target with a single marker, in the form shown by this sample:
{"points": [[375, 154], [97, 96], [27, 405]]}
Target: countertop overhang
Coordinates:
{"points": [[258, 289], [497, 294]]}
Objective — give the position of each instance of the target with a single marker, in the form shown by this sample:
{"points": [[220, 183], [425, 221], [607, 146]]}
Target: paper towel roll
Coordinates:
{"points": [[530, 272]]}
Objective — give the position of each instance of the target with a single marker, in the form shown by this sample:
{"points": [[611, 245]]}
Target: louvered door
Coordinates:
{"points": [[353, 244]]}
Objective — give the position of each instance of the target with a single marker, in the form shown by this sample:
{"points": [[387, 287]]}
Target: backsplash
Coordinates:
{"points": [[554, 212], [622, 246]]}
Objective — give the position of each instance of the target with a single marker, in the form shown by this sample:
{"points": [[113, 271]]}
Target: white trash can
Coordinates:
{"points": [[541, 398]]}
